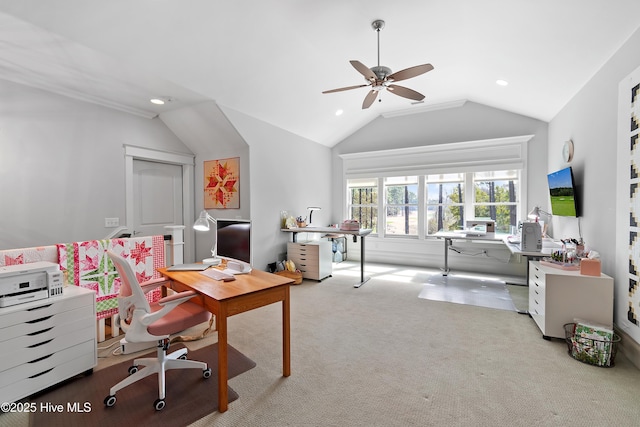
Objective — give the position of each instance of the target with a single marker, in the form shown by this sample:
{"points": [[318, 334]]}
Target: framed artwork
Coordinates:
{"points": [[222, 183]]}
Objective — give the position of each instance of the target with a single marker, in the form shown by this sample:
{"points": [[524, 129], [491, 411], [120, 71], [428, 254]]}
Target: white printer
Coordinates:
{"points": [[29, 282]]}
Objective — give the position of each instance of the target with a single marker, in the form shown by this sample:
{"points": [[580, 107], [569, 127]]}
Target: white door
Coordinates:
{"points": [[157, 197]]}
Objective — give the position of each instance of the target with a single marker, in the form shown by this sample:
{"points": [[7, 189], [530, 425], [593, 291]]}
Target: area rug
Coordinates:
{"points": [[478, 291], [189, 396]]}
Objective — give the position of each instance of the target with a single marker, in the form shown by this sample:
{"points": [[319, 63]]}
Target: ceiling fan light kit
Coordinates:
{"points": [[381, 77]]}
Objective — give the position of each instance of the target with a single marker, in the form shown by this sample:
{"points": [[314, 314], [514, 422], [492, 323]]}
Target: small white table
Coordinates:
{"points": [[332, 230]]}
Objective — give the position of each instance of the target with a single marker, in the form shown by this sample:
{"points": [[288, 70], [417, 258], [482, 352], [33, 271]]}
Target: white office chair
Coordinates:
{"points": [[144, 322]]}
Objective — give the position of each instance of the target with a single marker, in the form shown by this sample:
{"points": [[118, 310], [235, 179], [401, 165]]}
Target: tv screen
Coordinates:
{"points": [[234, 239], [562, 191]]}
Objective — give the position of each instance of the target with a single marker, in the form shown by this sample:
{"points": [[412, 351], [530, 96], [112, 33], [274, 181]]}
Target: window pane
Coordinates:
{"points": [[366, 216], [496, 197], [402, 194], [445, 202], [452, 192], [363, 202], [444, 218], [402, 220]]}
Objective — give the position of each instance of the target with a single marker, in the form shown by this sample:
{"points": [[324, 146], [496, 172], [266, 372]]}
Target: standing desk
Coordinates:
{"points": [[225, 299], [450, 236], [332, 230]]}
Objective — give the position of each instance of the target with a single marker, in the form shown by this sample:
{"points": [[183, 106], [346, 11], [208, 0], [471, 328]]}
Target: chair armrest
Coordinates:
{"points": [[180, 297], [152, 284], [168, 303]]}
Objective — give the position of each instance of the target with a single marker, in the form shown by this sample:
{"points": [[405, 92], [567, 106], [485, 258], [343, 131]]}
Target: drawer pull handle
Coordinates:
{"points": [[42, 319], [41, 373], [40, 343], [41, 358], [39, 308], [40, 332]]}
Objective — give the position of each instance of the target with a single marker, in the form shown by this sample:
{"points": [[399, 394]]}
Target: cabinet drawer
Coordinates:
{"points": [[65, 320], [32, 347], [39, 309], [302, 249], [72, 361]]}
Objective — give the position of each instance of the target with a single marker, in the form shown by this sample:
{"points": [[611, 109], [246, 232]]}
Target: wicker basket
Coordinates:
{"points": [[295, 275]]}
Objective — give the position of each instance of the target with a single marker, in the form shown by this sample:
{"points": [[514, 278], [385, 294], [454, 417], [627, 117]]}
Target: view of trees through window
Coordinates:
{"points": [[401, 200], [494, 195]]}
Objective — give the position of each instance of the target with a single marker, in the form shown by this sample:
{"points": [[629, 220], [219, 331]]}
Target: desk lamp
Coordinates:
{"points": [[311, 209], [535, 215], [202, 224]]}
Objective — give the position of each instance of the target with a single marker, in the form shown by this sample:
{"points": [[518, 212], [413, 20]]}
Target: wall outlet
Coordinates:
{"points": [[111, 222]]}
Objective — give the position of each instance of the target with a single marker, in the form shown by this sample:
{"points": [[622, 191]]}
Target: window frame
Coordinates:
{"points": [[459, 157]]}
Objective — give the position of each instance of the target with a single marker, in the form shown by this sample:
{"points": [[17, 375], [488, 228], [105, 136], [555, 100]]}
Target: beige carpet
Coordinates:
{"points": [[380, 356]]}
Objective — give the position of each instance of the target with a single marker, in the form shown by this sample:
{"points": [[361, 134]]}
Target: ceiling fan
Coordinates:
{"points": [[381, 77]]}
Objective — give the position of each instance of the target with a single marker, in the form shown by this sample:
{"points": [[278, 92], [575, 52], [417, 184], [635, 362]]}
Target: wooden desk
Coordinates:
{"points": [[224, 299]]}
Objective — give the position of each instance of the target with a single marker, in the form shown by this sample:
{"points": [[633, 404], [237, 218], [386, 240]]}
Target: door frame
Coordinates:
{"points": [[187, 161]]}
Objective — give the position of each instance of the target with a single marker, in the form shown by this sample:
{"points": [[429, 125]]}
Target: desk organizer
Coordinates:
{"points": [[561, 265]]}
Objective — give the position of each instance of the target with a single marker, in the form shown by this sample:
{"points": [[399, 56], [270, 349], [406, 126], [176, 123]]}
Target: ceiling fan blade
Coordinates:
{"points": [[364, 70], [344, 88], [408, 73], [368, 100], [405, 92]]}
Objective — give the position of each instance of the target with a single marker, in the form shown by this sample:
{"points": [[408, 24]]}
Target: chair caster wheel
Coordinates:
{"points": [[159, 404], [133, 369], [109, 401], [206, 373]]}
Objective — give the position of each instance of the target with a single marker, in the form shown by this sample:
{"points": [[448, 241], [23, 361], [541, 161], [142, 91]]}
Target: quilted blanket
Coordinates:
{"points": [[86, 264]]}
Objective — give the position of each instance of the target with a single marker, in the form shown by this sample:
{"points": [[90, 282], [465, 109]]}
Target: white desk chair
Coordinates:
{"points": [[144, 322]]}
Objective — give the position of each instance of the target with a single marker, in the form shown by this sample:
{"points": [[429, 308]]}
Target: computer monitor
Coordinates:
{"points": [[234, 239]]}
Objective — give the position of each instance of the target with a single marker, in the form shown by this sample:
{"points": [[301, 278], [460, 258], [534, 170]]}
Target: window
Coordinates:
{"points": [[445, 202], [425, 189], [496, 197], [363, 202], [401, 206]]}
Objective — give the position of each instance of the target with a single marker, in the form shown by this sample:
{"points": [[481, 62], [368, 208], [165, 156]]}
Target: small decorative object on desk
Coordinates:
{"points": [[350, 224], [591, 344], [301, 221]]}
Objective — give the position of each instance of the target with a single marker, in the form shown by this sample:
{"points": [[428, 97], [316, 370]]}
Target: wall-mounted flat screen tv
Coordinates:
{"points": [[562, 190], [234, 239]]}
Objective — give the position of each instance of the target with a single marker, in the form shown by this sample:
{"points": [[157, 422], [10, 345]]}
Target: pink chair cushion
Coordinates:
{"points": [[182, 317]]}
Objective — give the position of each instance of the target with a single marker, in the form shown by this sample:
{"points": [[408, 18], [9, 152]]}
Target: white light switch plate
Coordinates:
{"points": [[111, 222]]}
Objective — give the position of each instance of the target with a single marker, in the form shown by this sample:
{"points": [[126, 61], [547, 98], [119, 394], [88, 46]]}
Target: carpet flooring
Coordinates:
{"points": [[189, 396]]}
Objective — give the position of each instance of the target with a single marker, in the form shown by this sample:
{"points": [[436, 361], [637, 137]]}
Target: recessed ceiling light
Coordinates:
{"points": [[501, 82], [157, 101], [339, 112]]}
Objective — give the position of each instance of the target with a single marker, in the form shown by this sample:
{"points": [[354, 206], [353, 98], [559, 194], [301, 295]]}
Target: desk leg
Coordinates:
{"points": [[286, 335], [221, 324], [447, 243], [362, 278]]}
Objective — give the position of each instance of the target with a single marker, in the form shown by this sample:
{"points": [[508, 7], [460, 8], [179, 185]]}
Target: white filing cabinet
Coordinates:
{"points": [[45, 342], [559, 296], [313, 259]]}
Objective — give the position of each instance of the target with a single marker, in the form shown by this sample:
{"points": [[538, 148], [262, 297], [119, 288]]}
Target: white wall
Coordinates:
{"points": [[207, 132], [62, 165], [288, 173], [469, 122], [590, 120]]}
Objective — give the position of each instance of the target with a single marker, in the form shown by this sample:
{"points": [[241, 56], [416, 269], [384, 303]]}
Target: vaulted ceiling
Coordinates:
{"points": [[272, 59]]}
